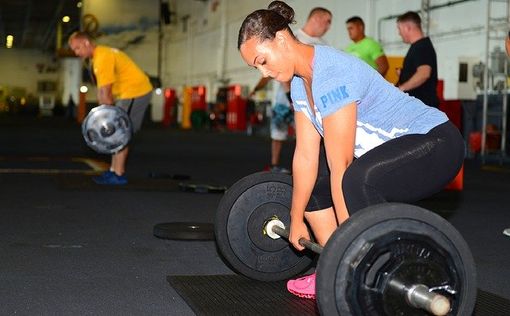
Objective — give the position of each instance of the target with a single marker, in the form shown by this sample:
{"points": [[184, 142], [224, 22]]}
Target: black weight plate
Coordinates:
{"points": [[201, 188], [184, 231], [239, 223], [163, 175], [398, 241]]}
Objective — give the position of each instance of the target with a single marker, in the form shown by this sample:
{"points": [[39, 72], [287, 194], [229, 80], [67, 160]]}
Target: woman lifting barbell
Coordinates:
{"points": [[360, 141]]}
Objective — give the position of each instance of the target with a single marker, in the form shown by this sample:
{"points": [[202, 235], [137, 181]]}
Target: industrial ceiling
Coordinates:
{"points": [[35, 24]]}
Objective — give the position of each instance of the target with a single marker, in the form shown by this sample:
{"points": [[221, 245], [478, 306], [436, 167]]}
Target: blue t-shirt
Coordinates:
{"points": [[383, 111]]}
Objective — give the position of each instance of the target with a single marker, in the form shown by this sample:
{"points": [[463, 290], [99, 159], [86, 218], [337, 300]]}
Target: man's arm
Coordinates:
{"points": [[104, 95], [264, 81], [382, 65], [260, 85], [507, 44], [421, 75]]}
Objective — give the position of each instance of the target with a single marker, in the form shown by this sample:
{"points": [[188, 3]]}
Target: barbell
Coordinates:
{"points": [[388, 259], [107, 129]]}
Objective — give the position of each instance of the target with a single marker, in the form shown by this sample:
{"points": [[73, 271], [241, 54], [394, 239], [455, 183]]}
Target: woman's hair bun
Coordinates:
{"points": [[282, 9]]}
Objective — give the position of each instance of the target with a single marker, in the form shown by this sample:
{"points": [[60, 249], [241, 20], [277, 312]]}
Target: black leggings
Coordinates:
{"points": [[405, 169]]}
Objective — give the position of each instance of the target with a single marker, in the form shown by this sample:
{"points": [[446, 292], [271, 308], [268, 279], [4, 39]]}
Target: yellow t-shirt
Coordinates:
{"points": [[112, 66]]}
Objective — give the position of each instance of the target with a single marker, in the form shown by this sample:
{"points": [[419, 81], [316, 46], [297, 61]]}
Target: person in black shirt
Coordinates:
{"points": [[418, 76]]}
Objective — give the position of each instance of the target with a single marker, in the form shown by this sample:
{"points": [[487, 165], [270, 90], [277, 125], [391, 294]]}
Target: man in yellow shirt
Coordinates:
{"points": [[120, 82]]}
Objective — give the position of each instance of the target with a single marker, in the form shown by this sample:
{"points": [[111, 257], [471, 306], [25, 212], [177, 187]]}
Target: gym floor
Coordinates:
{"points": [[73, 248]]}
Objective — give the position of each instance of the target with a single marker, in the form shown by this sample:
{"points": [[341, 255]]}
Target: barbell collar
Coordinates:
{"points": [[420, 296], [310, 245]]}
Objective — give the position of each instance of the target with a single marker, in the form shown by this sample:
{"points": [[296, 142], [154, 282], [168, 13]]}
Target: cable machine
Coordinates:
{"points": [[496, 29]]}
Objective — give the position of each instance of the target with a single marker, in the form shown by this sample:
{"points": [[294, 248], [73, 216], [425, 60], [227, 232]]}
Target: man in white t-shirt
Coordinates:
{"points": [[317, 24]]}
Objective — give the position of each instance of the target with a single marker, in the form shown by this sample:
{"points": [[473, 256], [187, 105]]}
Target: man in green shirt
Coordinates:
{"points": [[364, 47]]}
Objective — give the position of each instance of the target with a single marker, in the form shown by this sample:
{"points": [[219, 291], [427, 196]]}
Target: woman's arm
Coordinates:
{"points": [[339, 137], [305, 164]]}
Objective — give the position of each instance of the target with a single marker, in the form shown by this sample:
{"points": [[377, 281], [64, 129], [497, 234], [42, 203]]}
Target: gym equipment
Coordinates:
{"points": [[201, 188], [242, 213], [184, 231], [164, 175], [388, 259], [234, 293], [107, 129]]}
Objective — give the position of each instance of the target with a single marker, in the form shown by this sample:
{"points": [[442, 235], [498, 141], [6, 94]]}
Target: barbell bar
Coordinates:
{"points": [[416, 295], [276, 229]]}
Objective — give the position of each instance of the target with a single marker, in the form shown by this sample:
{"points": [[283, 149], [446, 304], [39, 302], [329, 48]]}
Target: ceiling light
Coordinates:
{"points": [[79, 4], [9, 41], [66, 19]]}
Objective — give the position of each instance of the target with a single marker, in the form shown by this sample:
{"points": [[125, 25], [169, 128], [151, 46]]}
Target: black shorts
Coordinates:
{"points": [[405, 169]]}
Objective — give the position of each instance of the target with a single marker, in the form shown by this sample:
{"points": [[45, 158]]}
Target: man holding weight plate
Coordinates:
{"points": [[120, 82]]}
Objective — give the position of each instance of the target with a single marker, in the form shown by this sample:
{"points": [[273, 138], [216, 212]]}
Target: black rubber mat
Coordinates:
{"points": [[85, 183], [488, 304], [237, 295]]}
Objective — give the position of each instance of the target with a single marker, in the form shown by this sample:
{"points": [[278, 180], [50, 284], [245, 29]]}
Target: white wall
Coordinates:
{"points": [[144, 52], [114, 16], [191, 57], [457, 32], [130, 25], [203, 48], [19, 68]]}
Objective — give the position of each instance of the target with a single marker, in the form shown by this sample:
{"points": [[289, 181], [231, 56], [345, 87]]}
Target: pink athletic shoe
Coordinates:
{"points": [[303, 287]]}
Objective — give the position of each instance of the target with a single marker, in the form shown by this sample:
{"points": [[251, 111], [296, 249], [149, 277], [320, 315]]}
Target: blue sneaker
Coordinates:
{"points": [[111, 180], [103, 176]]}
